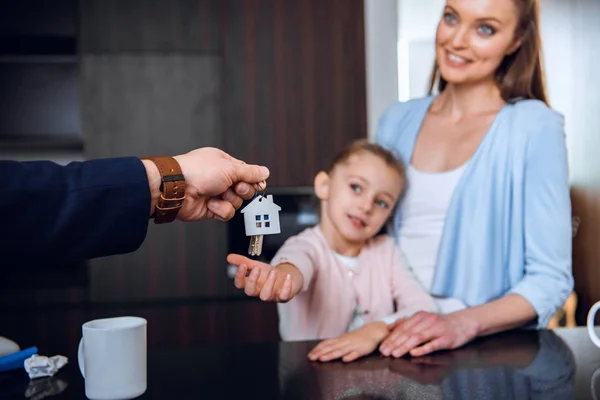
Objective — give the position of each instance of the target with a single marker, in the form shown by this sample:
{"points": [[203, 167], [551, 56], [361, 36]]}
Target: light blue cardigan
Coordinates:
{"points": [[508, 227]]}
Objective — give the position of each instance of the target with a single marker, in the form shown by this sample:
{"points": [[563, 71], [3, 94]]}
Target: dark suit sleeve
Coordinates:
{"points": [[65, 214]]}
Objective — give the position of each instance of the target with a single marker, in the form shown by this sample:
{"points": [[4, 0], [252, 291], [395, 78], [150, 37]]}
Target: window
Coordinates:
{"points": [[267, 224], [258, 217], [266, 217], [259, 224]]}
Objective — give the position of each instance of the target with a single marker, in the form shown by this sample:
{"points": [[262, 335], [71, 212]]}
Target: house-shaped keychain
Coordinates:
{"points": [[261, 217]]}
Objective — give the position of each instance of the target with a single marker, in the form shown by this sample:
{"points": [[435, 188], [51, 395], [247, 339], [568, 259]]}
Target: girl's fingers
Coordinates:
{"points": [[286, 290], [267, 289], [251, 282], [240, 277], [321, 349], [351, 356], [335, 353], [329, 351]]}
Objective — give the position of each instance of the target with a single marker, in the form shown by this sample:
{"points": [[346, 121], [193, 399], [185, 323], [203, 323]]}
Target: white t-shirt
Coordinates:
{"points": [[424, 209]]}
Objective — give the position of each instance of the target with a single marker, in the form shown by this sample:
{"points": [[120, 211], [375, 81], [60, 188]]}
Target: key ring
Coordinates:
{"points": [[259, 190]]}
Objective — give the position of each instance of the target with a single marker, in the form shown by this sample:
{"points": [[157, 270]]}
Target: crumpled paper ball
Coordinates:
{"points": [[39, 366]]}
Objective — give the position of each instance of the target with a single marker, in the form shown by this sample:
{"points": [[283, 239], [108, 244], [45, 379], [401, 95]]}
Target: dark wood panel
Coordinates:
{"points": [[149, 25], [293, 82], [156, 105]]}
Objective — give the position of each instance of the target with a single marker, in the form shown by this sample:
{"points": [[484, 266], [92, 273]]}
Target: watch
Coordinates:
{"points": [[172, 189]]}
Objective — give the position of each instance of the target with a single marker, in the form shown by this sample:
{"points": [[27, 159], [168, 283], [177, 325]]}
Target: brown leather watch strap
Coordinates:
{"points": [[172, 189]]}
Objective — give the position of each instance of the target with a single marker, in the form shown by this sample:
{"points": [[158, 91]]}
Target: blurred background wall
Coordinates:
{"points": [[276, 82], [283, 83]]}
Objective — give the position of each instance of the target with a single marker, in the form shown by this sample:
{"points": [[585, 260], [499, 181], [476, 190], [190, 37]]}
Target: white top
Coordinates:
{"points": [[357, 316], [424, 209]]}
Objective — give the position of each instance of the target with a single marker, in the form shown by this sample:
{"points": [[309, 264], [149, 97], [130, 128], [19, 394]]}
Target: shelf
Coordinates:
{"points": [[38, 59], [38, 45], [41, 142]]}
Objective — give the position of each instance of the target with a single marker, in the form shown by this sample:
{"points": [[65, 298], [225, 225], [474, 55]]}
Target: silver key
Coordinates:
{"points": [[256, 244]]}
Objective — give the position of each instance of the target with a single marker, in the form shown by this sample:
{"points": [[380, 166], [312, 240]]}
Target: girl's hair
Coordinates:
{"points": [[361, 145], [520, 74]]}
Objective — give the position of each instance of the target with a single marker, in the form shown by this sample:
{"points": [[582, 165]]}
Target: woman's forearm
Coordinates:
{"points": [[508, 312]]}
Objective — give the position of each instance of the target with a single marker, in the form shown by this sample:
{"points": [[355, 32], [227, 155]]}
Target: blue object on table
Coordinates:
{"points": [[16, 360]]}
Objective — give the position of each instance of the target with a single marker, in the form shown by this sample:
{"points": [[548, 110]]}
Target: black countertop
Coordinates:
{"points": [[560, 364]]}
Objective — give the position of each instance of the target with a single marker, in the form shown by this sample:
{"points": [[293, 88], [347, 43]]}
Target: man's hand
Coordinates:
{"points": [[216, 183]]}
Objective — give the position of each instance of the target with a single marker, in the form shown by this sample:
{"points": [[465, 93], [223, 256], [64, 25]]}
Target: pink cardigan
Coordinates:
{"points": [[324, 306]]}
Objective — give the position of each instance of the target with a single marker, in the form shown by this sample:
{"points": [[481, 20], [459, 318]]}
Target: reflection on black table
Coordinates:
{"points": [[515, 365], [512, 365]]}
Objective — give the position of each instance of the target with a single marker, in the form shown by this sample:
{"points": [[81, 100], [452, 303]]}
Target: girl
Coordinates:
{"points": [[338, 279]]}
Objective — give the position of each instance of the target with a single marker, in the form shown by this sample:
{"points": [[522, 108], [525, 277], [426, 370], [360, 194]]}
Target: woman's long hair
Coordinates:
{"points": [[520, 74]]}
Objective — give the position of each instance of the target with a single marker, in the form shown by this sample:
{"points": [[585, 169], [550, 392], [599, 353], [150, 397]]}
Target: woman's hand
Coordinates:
{"points": [[426, 332], [351, 345]]}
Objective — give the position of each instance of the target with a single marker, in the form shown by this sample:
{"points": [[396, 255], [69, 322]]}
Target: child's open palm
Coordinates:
{"points": [[264, 281]]}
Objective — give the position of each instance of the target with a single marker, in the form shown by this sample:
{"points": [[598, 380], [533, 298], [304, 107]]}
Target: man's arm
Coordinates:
{"points": [[64, 214]]}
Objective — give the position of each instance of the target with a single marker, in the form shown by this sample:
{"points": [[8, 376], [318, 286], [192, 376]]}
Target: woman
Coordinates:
{"points": [[486, 221]]}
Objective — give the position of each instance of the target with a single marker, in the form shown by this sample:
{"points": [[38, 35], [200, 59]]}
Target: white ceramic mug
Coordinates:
{"points": [[590, 324], [112, 358]]}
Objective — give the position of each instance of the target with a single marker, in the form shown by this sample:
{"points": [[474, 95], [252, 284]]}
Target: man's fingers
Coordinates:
{"points": [[249, 173], [221, 208], [231, 197], [260, 186], [244, 190]]}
